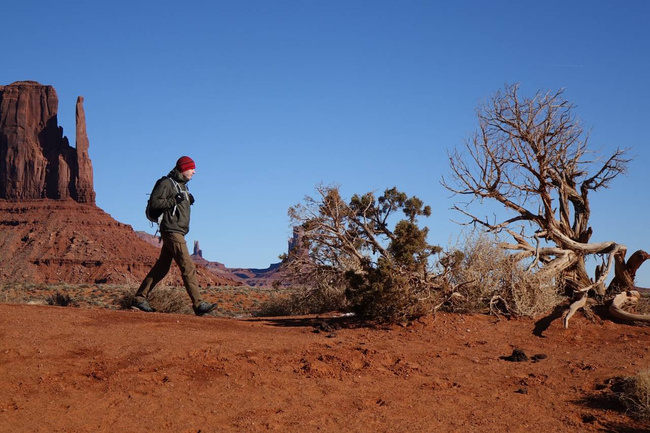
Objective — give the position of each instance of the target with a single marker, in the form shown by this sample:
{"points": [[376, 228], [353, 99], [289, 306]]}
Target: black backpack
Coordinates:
{"points": [[156, 215]]}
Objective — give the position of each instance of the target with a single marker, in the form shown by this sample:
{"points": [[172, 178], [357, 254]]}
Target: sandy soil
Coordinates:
{"points": [[98, 370]]}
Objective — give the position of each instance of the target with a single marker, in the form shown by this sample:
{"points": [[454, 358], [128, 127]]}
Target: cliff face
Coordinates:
{"points": [[36, 160]]}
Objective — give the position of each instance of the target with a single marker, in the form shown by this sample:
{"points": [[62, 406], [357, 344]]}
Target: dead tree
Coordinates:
{"points": [[627, 294], [531, 156]]}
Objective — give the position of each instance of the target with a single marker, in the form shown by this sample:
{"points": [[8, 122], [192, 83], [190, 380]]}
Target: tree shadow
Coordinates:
{"points": [[319, 323], [606, 398], [622, 428], [596, 313], [545, 322]]}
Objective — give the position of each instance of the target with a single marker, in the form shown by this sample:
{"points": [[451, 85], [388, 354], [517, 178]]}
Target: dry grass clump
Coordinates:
{"points": [[126, 299], [302, 301], [163, 300], [635, 395], [484, 278], [60, 299], [643, 305], [13, 294], [171, 300]]}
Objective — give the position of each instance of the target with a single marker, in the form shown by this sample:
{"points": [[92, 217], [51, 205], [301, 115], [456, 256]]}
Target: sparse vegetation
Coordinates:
{"points": [[349, 257], [233, 301], [60, 299], [11, 294], [163, 299], [480, 276], [635, 395], [302, 301]]}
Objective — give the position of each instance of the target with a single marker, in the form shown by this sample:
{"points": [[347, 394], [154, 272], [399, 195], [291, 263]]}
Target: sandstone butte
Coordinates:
{"points": [[52, 230]]}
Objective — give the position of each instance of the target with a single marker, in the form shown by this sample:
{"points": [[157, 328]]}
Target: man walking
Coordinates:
{"points": [[171, 196]]}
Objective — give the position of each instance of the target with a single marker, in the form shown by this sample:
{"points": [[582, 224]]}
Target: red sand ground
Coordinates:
{"points": [[98, 370]]}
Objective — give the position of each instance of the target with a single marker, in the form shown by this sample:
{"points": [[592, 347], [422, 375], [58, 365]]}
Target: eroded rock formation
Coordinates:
{"points": [[197, 250], [36, 159], [84, 175]]}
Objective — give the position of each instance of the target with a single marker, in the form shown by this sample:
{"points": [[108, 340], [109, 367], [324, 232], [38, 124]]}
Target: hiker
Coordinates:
{"points": [[170, 200]]}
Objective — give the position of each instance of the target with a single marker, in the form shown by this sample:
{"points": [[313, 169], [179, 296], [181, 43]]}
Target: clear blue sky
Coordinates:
{"points": [[273, 97]]}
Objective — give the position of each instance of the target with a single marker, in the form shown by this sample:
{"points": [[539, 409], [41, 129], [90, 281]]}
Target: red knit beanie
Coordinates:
{"points": [[185, 163]]}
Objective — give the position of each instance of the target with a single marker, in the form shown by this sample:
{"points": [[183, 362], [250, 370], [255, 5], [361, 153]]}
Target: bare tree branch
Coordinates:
{"points": [[530, 155]]}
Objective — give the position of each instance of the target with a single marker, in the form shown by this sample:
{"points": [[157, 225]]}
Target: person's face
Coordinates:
{"points": [[188, 173]]}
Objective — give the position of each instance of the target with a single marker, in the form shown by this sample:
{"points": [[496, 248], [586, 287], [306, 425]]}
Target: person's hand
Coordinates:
{"points": [[191, 199], [179, 197]]}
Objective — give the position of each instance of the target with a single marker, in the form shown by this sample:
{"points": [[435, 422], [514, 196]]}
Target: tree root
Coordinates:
{"points": [[575, 306], [627, 298], [624, 276], [623, 299]]}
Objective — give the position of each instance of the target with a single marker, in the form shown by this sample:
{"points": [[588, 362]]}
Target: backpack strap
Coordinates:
{"points": [[179, 190]]}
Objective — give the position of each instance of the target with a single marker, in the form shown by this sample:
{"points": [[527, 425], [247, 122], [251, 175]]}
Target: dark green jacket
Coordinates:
{"points": [[176, 216]]}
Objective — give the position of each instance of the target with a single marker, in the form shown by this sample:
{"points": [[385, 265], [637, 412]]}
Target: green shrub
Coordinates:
{"points": [[390, 294], [368, 254]]}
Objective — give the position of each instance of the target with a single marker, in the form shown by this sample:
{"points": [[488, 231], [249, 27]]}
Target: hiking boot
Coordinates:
{"points": [[142, 306], [204, 308]]}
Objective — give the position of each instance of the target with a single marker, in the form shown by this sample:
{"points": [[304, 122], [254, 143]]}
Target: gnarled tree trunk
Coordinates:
{"points": [[622, 287]]}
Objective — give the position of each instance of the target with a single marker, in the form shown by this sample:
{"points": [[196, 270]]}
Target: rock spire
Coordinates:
{"points": [[36, 160]]}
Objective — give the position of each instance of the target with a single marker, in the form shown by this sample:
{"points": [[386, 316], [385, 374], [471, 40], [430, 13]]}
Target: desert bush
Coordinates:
{"points": [[348, 254], [163, 300], [315, 288], [390, 294], [125, 301], [483, 277], [635, 395], [60, 299], [9, 294], [170, 300], [304, 301], [276, 306]]}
